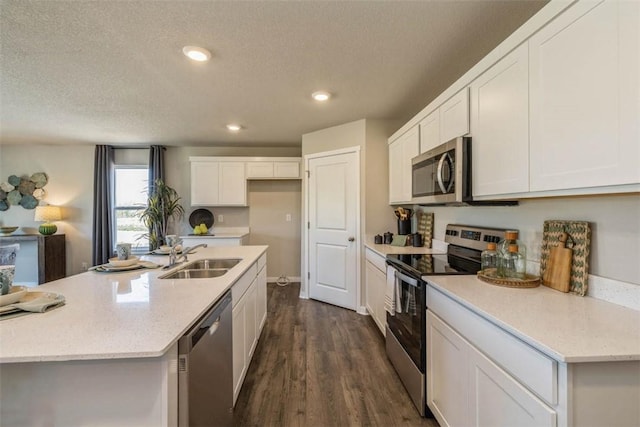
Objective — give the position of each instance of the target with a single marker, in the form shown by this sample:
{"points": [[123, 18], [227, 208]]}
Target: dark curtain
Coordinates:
{"points": [[156, 165], [103, 220]]}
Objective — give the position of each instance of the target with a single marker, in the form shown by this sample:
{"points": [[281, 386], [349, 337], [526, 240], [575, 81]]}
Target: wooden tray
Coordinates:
{"points": [[490, 276], [580, 233]]}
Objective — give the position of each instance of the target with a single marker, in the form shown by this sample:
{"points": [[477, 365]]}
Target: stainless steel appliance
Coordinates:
{"points": [[205, 371], [406, 327], [442, 176]]}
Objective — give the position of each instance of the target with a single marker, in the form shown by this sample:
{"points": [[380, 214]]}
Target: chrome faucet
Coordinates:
{"points": [[186, 251], [174, 259]]}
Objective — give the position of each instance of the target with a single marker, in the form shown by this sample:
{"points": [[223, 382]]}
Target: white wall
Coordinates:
{"points": [[269, 204], [70, 171], [615, 227]]}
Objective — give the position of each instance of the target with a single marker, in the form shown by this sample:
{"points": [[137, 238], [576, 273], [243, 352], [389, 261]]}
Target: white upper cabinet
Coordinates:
{"points": [[454, 116], [430, 131], [584, 71], [401, 152], [276, 169], [217, 183], [500, 126]]}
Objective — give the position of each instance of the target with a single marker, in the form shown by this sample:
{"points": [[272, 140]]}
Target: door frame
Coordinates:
{"points": [[304, 280]]}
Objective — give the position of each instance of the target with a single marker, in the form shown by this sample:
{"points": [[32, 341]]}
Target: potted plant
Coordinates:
{"points": [[162, 207]]}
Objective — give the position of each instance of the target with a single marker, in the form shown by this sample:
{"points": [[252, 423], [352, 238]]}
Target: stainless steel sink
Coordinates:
{"points": [[196, 274], [206, 264], [203, 269]]}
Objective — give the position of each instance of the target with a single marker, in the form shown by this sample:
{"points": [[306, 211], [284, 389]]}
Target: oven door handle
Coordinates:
{"points": [[409, 280]]}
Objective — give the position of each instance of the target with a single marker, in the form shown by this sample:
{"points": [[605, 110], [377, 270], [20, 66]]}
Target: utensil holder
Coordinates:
{"points": [[404, 226]]}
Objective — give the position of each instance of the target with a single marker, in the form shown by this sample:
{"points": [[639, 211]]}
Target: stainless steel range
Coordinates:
{"points": [[406, 323]]}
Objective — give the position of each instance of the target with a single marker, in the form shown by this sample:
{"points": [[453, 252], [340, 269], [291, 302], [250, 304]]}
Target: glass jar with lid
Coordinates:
{"points": [[505, 254], [489, 257]]}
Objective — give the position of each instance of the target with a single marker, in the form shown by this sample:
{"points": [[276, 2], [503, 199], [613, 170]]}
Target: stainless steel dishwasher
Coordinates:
{"points": [[205, 371]]}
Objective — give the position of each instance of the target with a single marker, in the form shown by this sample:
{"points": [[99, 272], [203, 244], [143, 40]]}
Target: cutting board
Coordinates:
{"points": [[557, 274], [580, 233]]}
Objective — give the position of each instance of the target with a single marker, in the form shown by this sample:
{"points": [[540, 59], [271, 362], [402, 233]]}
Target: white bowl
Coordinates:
{"points": [[5, 231], [115, 262], [14, 295]]}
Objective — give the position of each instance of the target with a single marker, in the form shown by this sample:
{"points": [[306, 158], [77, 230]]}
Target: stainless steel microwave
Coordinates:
{"points": [[442, 175]]}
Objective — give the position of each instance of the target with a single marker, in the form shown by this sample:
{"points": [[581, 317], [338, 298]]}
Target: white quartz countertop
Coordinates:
{"points": [[567, 327], [385, 250], [119, 315]]}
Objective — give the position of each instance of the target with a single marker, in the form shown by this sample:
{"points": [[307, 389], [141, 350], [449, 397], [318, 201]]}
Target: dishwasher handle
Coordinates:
{"points": [[209, 323]]}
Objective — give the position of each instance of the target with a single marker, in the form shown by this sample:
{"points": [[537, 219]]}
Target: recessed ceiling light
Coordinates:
{"points": [[233, 127], [321, 95], [196, 53]]}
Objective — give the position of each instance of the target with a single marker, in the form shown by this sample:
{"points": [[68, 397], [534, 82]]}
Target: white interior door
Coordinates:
{"points": [[333, 194]]}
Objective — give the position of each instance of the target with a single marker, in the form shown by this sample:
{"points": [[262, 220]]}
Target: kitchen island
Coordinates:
{"points": [[109, 356]]}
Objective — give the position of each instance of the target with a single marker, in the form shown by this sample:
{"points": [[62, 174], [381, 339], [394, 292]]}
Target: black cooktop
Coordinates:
{"points": [[457, 261]]}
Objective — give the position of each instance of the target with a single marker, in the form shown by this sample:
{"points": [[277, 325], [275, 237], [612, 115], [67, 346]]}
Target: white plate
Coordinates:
{"points": [[115, 262], [14, 295], [161, 252]]}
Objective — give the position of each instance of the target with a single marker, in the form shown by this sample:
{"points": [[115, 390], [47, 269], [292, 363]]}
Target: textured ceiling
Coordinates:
{"points": [[113, 72]]}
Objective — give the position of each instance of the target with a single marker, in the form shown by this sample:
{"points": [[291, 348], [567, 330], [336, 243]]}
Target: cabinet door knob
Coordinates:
{"points": [[351, 239]]}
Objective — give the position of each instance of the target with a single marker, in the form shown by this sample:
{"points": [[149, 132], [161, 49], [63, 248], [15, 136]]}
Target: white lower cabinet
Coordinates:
{"points": [[498, 399], [249, 315], [479, 374], [261, 298], [376, 282], [447, 378], [465, 388]]}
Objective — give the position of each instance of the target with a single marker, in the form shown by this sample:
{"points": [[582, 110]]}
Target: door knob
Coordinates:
{"points": [[351, 239]]}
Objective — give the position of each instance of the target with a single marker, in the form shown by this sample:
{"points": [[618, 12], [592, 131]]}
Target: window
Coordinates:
{"points": [[131, 183]]}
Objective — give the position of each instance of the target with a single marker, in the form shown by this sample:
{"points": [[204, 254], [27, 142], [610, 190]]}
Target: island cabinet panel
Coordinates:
{"points": [[137, 392], [249, 315], [500, 126], [585, 73]]}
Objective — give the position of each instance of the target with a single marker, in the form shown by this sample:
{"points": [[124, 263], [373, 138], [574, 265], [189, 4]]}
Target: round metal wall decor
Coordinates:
{"points": [[25, 191]]}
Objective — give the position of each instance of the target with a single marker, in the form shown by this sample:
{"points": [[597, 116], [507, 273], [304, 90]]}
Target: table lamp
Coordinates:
{"points": [[47, 214]]}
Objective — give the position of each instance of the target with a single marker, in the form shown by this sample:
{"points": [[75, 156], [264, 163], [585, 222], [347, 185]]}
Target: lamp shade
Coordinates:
{"points": [[47, 213]]}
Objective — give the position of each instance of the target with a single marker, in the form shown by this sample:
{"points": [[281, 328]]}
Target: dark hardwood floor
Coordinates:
{"points": [[320, 365]]}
